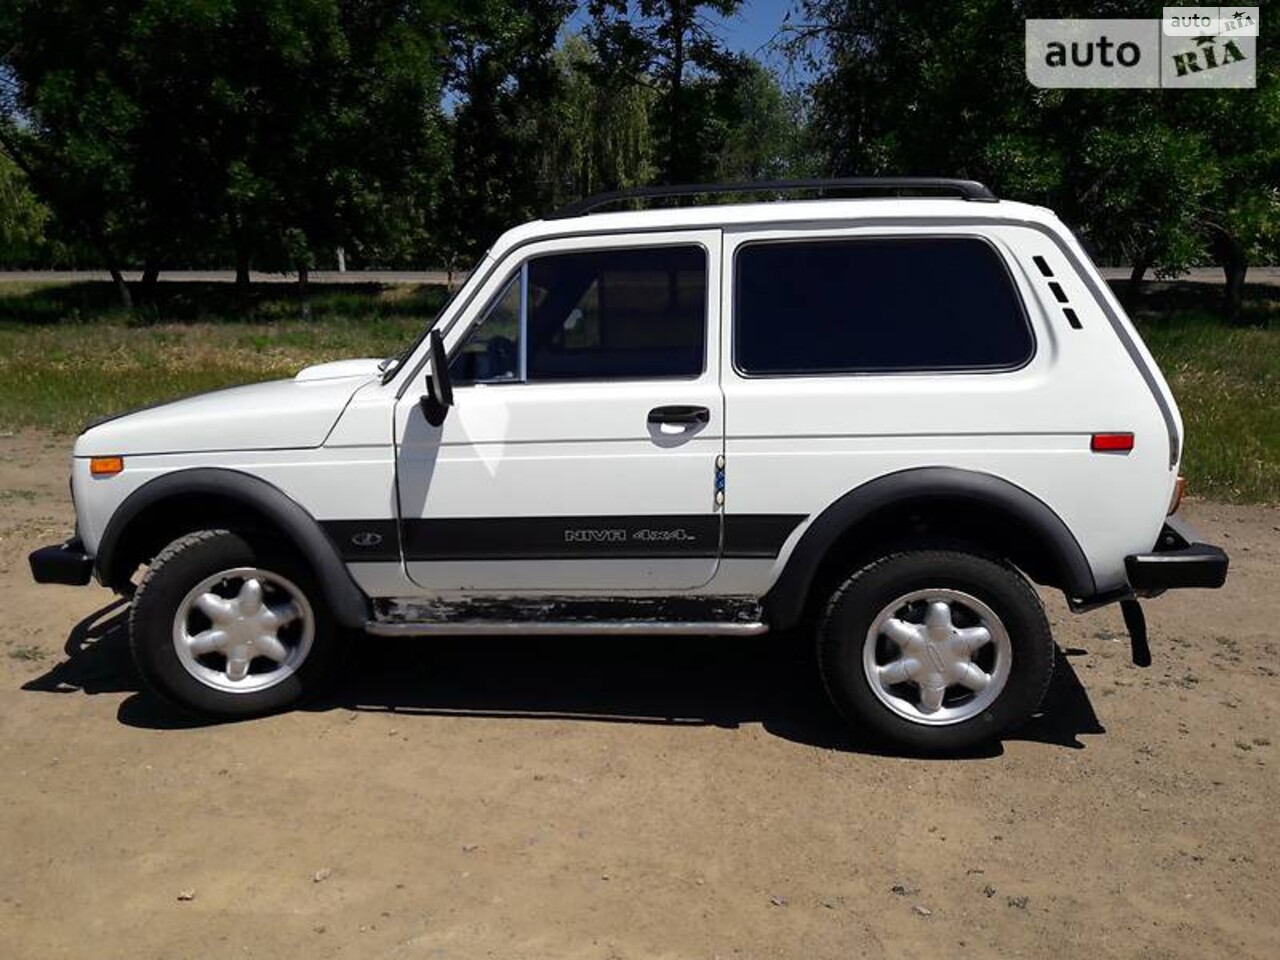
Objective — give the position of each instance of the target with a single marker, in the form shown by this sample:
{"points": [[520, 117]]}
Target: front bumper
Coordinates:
{"points": [[1178, 560], [63, 563]]}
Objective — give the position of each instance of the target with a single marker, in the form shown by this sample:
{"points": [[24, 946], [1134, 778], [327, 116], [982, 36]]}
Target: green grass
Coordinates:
{"points": [[1227, 383], [68, 354]]}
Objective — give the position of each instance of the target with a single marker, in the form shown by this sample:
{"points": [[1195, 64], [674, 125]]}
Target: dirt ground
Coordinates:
{"points": [[633, 798]]}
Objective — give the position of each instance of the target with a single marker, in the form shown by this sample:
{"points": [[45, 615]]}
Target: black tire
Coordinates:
{"points": [[173, 574], [854, 607]]}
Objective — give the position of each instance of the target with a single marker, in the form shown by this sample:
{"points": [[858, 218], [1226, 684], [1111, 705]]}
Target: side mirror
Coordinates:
{"points": [[439, 397]]}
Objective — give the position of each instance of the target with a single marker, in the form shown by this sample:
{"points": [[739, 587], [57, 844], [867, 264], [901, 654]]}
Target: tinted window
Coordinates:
{"points": [[617, 314], [876, 305]]}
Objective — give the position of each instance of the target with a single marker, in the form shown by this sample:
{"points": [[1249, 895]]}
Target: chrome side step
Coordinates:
{"points": [[543, 628]]}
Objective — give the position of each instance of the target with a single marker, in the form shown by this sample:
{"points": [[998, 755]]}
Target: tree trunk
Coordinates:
{"points": [[122, 288], [108, 257], [1235, 267], [242, 273], [1136, 277], [147, 286], [675, 172], [304, 287], [1230, 254]]}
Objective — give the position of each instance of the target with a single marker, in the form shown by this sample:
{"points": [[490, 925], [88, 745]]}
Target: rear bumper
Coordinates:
{"points": [[1178, 560], [63, 563]]}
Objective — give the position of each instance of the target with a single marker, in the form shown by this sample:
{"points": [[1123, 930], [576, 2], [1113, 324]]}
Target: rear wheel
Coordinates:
{"points": [[936, 650], [230, 628]]}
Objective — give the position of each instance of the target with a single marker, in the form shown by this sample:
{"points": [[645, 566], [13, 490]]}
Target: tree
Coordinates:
{"points": [[275, 128], [765, 135], [595, 134], [670, 43], [1240, 211], [501, 74], [67, 123], [22, 216]]}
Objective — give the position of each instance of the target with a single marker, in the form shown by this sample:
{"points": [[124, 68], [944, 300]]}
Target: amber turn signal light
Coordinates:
{"points": [[106, 466], [1179, 489]]}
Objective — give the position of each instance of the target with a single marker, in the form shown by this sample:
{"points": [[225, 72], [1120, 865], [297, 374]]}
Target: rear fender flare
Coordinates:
{"points": [[785, 601]]}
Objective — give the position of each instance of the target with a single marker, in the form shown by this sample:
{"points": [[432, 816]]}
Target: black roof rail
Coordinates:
{"points": [[964, 189]]}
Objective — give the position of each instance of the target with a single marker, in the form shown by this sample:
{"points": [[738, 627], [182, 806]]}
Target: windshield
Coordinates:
{"points": [[390, 365]]}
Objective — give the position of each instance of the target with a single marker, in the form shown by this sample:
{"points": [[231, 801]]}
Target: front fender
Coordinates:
{"points": [[259, 500]]}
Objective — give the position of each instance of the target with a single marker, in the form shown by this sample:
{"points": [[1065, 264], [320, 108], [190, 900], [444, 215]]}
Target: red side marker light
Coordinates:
{"points": [[1111, 442]]}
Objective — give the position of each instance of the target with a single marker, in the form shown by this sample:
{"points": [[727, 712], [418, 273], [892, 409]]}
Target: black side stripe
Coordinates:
{"points": [[562, 538], [364, 541], [757, 534]]}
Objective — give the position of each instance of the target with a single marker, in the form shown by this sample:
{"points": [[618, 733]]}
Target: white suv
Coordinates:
{"points": [[874, 418]]}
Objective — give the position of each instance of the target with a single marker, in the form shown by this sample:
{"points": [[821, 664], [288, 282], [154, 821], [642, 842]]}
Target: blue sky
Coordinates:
{"points": [[754, 26], [750, 31]]}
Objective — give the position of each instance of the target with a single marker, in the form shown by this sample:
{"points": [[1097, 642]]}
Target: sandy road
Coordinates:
{"points": [[638, 798]]}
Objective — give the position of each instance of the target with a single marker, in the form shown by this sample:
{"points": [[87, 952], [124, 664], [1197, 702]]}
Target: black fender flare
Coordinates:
{"points": [[348, 603], [785, 601]]}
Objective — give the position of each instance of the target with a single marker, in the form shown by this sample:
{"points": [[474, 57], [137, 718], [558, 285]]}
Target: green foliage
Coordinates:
{"points": [[670, 45], [216, 132], [765, 135], [225, 132], [502, 71], [22, 216], [170, 130], [600, 129], [1142, 189], [592, 136]]}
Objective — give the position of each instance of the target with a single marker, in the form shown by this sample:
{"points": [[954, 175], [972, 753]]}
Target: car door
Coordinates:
{"points": [[579, 456]]}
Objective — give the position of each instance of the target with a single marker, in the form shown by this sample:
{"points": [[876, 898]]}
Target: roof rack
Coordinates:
{"points": [[964, 189]]}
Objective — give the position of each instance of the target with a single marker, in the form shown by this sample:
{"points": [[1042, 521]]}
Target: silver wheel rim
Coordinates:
{"points": [[243, 630], [937, 657]]}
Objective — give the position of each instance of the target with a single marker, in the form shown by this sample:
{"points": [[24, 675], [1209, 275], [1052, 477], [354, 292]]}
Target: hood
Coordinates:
{"points": [[276, 415], [340, 369]]}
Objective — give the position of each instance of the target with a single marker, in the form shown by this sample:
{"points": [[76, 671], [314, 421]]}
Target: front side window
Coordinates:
{"points": [[617, 314], [876, 305], [491, 354], [599, 315]]}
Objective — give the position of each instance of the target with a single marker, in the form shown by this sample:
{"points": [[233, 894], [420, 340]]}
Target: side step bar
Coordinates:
{"points": [[542, 628]]}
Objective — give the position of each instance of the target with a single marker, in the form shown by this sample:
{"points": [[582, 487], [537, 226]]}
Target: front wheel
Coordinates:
{"points": [[230, 628], [936, 650]]}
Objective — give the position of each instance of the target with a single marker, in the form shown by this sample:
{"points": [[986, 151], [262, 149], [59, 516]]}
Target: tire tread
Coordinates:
{"points": [[145, 641]]}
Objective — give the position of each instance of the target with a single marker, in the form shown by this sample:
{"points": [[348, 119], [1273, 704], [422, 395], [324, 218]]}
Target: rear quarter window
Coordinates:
{"points": [[876, 305]]}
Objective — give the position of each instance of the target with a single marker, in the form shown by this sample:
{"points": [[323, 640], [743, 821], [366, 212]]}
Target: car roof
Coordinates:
{"points": [[778, 214]]}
